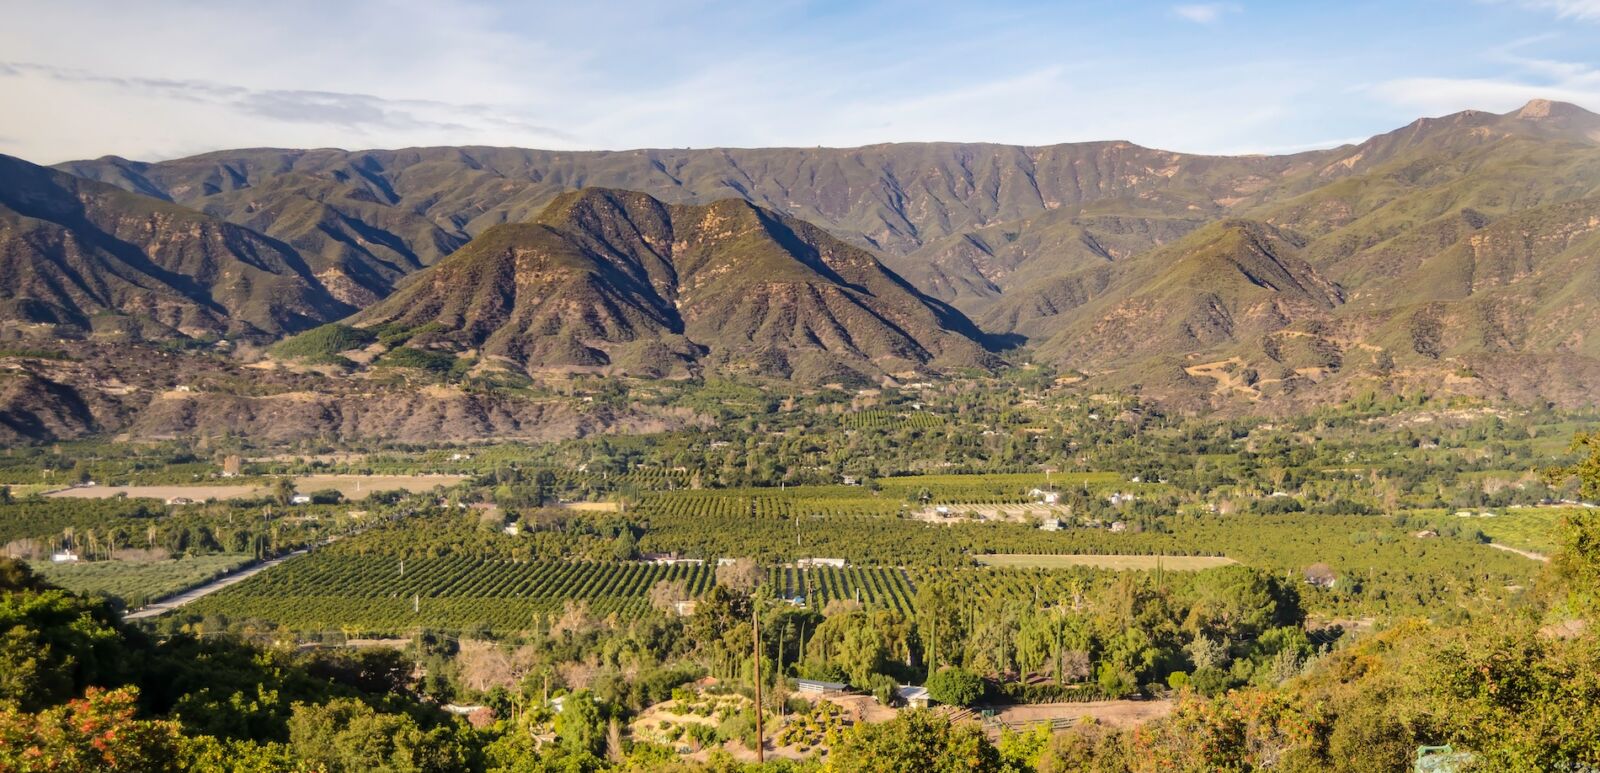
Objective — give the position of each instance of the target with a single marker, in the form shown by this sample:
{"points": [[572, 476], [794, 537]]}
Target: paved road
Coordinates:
{"points": [[173, 602], [1523, 553]]}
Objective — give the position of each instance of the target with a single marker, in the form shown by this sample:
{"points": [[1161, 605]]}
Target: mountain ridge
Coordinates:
{"points": [[1335, 280], [617, 281]]}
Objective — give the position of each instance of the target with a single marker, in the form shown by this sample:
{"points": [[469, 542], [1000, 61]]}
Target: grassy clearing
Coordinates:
{"points": [[1528, 528], [139, 582], [1103, 561]]}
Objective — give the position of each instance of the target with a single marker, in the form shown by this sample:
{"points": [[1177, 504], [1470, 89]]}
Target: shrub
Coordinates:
{"points": [[419, 359], [323, 344], [955, 686]]}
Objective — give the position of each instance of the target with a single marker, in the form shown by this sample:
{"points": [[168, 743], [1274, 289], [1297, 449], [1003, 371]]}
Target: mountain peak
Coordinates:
{"points": [[1545, 109]]}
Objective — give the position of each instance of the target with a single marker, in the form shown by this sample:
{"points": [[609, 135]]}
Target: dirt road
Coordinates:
{"points": [[173, 602], [1524, 553]]}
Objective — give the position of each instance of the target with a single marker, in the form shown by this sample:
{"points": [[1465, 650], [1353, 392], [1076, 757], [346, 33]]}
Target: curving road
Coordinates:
{"points": [[173, 602], [1523, 553]]}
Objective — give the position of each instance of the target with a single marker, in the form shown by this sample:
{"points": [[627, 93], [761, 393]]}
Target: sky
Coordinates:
{"points": [[169, 78]]}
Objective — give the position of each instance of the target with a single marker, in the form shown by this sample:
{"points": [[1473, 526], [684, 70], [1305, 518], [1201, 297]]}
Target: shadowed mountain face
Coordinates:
{"points": [[80, 256], [1459, 245], [606, 280], [375, 215]]}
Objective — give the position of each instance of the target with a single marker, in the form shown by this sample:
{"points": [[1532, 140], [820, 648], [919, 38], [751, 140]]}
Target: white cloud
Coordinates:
{"points": [[1585, 10], [1525, 78], [1205, 13]]}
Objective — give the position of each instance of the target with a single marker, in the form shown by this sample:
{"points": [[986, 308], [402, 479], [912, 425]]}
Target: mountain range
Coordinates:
{"points": [[1455, 253]]}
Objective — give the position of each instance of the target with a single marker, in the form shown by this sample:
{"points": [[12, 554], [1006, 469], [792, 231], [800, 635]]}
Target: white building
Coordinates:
{"points": [[1047, 497], [912, 696], [813, 563]]}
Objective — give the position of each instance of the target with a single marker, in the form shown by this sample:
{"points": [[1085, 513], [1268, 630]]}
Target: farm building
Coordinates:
{"points": [[818, 687], [814, 563], [912, 696], [671, 559], [559, 701]]}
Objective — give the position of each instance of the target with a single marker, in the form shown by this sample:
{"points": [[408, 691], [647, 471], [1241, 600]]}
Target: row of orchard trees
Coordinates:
{"points": [[1213, 629]]}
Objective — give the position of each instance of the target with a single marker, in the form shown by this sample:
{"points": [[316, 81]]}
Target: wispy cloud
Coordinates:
{"points": [[1584, 10], [1524, 78], [348, 110], [1205, 13]]}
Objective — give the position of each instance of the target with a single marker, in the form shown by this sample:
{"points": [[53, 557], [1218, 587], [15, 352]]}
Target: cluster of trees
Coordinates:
{"points": [[1517, 689]]}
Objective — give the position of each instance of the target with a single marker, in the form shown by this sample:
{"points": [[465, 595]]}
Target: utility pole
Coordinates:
{"points": [[761, 741]]}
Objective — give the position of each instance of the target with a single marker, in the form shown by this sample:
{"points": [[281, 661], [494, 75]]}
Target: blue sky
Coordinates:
{"points": [[176, 77]]}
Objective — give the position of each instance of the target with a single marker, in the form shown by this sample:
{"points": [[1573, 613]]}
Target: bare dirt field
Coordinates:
{"points": [[197, 493], [358, 486], [352, 486], [1109, 713], [963, 513], [591, 507], [1140, 563]]}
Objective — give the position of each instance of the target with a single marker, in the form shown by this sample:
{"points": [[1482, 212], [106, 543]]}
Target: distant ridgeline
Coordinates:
{"points": [[1403, 263]]}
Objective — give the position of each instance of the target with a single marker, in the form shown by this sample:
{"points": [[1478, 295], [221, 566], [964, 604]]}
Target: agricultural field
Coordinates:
{"points": [[1535, 529], [163, 493], [137, 583], [359, 486], [341, 591], [889, 588], [891, 420], [351, 486], [1119, 563]]}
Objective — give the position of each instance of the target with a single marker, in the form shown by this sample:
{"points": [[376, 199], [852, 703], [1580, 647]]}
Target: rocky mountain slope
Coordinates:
{"points": [[79, 256], [914, 202], [1457, 252], [142, 392], [616, 281]]}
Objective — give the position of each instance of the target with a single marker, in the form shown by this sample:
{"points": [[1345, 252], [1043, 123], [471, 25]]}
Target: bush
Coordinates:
{"points": [[419, 359], [701, 735], [1210, 681], [326, 497], [955, 686], [1277, 506], [1116, 682], [1018, 692], [883, 688], [323, 344]]}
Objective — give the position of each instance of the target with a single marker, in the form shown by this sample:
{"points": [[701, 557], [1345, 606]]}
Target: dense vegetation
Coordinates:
{"points": [[623, 573]]}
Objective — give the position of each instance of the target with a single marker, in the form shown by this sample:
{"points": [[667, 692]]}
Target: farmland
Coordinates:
{"points": [[1054, 556], [459, 593], [385, 595], [358, 486], [1120, 563], [350, 486], [139, 582], [164, 493], [1525, 528]]}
